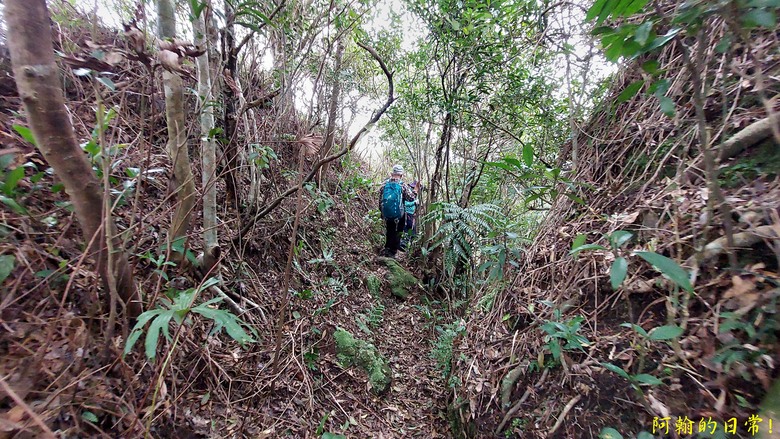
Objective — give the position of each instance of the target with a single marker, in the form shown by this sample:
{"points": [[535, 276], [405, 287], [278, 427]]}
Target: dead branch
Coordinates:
{"points": [[564, 412], [751, 135], [743, 239]]}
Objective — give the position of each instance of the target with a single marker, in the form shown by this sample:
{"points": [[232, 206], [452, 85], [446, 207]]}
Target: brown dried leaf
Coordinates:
{"points": [[740, 287]]}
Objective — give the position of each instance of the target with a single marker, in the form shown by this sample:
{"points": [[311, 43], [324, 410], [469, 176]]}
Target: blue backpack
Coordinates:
{"points": [[392, 200]]}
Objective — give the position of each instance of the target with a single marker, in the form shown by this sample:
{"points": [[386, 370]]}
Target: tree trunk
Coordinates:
{"points": [[332, 111], [230, 118], [177, 135], [435, 183], [208, 149], [38, 82]]}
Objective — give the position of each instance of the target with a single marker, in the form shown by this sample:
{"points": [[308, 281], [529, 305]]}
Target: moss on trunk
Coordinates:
{"points": [[354, 352]]}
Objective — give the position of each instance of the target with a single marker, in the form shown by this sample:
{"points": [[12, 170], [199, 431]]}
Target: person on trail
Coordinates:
{"points": [[410, 228], [392, 195]]}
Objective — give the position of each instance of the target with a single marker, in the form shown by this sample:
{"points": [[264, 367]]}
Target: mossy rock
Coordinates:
{"points": [[401, 281], [354, 352]]}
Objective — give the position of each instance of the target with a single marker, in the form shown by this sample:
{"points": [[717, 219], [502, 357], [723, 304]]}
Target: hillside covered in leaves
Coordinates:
{"points": [[190, 240]]}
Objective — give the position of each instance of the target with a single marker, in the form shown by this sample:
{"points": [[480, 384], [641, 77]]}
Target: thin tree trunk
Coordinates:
{"points": [[177, 135], [333, 110], [435, 183], [38, 82], [208, 148]]}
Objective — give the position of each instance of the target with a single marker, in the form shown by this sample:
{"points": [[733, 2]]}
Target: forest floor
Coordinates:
{"points": [[315, 395], [54, 353]]}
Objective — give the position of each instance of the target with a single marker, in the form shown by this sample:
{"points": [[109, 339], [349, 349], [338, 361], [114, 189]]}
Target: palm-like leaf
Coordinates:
{"points": [[461, 230]]}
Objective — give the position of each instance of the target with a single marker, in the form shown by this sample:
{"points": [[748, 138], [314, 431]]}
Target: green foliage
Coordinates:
{"points": [[262, 155], [460, 230], [311, 357], [631, 39], [178, 309], [749, 336], [9, 182], [159, 262], [7, 263], [669, 268], [352, 181], [642, 379], [619, 268], [443, 346], [322, 199], [374, 285], [610, 433], [564, 335]]}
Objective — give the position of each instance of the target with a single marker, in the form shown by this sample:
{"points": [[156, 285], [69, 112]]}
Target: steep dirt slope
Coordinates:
{"points": [[641, 173]]}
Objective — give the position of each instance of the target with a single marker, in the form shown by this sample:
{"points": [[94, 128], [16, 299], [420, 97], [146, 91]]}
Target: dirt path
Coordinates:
{"points": [[415, 405]]}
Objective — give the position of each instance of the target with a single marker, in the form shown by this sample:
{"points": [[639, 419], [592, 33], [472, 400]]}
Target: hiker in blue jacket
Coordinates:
{"points": [[392, 195]]}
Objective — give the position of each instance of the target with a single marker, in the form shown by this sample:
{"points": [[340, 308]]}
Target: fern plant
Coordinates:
{"points": [[461, 230], [178, 309]]}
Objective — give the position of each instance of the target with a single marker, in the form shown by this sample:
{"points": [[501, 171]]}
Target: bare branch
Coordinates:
{"points": [[374, 119]]}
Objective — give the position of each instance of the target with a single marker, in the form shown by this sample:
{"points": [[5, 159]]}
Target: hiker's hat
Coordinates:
{"points": [[398, 169], [413, 184]]}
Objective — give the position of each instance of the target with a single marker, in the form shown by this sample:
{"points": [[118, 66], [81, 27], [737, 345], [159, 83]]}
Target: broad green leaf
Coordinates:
{"points": [[16, 207], [608, 8], [138, 329], [328, 435], [630, 91], [667, 105], [528, 155], [617, 274], [659, 87], [12, 180], [663, 39], [634, 7], [640, 330], [724, 44], [7, 263], [760, 18], [595, 10], [666, 332], [579, 241], [643, 32], [586, 247], [575, 198], [618, 370], [89, 417], [614, 50], [153, 333], [621, 6], [107, 82], [648, 379], [619, 237], [6, 160], [668, 268], [514, 162], [651, 66], [631, 49], [610, 433], [645, 435], [26, 133], [197, 7]]}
